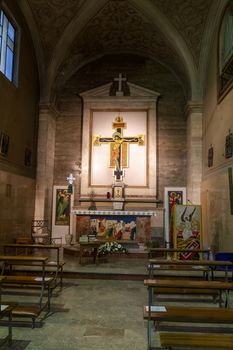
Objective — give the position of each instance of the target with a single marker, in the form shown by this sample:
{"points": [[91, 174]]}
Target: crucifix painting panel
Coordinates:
{"points": [[118, 147]]}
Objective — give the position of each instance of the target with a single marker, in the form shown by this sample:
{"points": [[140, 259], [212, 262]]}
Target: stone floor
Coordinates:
{"points": [[93, 314]]}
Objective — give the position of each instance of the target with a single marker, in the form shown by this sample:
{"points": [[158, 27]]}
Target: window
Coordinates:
{"points": [[226, 52], [7, 46]]}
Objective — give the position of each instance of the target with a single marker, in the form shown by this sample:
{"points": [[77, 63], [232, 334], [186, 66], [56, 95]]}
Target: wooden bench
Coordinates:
{"points": [[51, 264], [186, 315], [182, 270], [28, 283], [173, 252], [194, 340], [41, 282], [212, 288], [210, 264], [6, 311]]}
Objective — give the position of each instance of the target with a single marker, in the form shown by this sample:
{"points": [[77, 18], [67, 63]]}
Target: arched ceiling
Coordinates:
{"points": [[73, 33]]}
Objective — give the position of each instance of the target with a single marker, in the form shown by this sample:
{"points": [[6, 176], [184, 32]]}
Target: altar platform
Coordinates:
{"points": [[131, 266]]}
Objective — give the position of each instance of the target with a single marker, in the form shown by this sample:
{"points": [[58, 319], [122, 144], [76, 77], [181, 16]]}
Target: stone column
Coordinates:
{"points": [[45, 162], [194, 151]]}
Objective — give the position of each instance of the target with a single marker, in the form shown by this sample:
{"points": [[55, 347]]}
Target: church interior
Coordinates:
{"points": [[116, 136]]}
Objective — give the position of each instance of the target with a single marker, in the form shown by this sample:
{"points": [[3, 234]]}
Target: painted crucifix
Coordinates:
{"points": [[118, 146]]}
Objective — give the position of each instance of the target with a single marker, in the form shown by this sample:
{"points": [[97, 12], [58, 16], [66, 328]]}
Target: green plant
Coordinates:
{"points": [[111, 247]]}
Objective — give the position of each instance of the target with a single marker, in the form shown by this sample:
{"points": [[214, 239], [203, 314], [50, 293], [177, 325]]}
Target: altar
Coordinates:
{"points": [[117, 185]]}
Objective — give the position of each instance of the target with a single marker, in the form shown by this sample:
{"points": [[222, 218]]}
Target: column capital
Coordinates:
{"points": [[49, 109], [193, 107], [47, 106]]}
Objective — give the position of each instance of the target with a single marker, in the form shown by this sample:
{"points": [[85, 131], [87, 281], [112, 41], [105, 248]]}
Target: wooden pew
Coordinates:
{"points": [[6, 311], [14, 260], [171, 252], [28, 283], [45, 284], [188, 287], [187, 315], [210, 264], [194, 340], [57, 264]]}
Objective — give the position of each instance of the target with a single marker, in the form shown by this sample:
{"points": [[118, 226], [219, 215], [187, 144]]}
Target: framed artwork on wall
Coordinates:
{"points": [[62, 210], [187, 230], [27, 157], [172, 196], [230, 177], [4, 144], [119, 147]]}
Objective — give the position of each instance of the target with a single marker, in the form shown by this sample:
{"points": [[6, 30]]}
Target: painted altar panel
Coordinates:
{"points": [[115, 227], [187, 229], [101, 170]]}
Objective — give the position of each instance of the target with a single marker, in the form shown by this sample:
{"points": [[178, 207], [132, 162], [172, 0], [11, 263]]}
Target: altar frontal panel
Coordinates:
{"points": [[134, 155], [115, 227]]}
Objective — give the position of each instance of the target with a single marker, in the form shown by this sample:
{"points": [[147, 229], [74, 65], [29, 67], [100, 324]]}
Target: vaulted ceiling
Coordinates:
{"points": [[69, 34]]}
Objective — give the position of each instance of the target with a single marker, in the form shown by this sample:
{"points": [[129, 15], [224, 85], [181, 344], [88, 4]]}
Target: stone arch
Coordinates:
{"points": [[26, 11], [155, 17]]}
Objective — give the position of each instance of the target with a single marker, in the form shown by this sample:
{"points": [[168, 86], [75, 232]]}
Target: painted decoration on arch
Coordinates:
{"points": [[172, 196], [187, 229], [62, 211]]}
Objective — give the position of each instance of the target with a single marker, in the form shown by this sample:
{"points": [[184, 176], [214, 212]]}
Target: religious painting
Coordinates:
{"points": [[210, 156], [4, 144], [27, 156], [230, 189], [114, 227], [172, 196], [187, 230], [118, 191], [229, 145], [62, 214], [119, 148]]}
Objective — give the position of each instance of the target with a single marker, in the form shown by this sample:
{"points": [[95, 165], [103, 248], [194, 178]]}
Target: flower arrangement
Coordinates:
{"points": [[111, 247]]}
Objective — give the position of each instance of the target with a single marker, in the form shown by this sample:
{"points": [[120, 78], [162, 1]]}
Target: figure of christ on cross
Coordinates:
{"points": [[118, 141]]}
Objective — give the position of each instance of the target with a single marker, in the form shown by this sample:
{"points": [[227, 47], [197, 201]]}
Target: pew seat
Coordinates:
{"points": [[194, 340]]}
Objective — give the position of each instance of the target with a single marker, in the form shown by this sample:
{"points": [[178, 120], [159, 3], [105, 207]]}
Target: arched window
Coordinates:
{"points": [[226, 52]]}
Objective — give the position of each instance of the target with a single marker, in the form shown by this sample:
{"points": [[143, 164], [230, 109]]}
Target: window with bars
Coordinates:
{"points": [[7, 46]]}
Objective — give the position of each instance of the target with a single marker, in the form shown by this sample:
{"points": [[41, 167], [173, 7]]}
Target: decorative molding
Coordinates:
{"points": [[113, 212]]}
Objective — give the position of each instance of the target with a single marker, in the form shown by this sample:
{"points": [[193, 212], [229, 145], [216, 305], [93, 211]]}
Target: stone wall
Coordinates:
{"points": [[17, 196], [68, 140], [215, 198], [171, 124], [19, 120]]}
